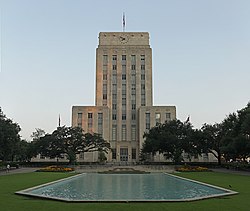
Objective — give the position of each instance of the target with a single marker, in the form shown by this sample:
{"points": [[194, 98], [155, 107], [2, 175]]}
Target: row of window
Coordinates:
{"points": [[114, 106], [114, 117], [90, 122], [124, 116], [114, 67], [114, 64], [124, 98], [123, 58], [124, 77], [157, 119], [124, 133]]}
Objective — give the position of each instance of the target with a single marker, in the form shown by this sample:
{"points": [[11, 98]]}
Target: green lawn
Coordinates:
{"points": [[9, 184]]}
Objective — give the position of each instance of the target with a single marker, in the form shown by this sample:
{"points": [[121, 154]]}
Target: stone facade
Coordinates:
{"points": [[149, 116], [123, 96]]}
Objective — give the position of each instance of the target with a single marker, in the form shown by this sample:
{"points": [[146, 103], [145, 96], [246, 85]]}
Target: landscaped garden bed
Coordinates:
{"points": [[187, 168], [56, 169]]}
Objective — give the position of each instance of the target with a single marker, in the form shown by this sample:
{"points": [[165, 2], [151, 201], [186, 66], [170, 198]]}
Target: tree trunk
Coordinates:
{"points": [[219, 158]]}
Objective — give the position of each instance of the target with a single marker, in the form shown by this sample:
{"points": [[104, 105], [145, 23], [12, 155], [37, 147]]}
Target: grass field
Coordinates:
{"points": [[9, 184]]}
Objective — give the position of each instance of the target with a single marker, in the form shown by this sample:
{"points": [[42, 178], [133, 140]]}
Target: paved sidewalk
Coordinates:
{"points": [[231, 171], [89, 169], [18, 171]]}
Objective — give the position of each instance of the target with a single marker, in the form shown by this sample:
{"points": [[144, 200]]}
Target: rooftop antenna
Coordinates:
{"points": [[59, 121], [123, 22]]}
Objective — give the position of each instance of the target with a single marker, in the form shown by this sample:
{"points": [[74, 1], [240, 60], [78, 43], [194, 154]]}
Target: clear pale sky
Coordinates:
{"points": [[201, 56]]}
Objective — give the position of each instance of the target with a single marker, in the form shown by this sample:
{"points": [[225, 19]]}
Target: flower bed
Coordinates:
{"points": [[192, 169], [56, 169]]}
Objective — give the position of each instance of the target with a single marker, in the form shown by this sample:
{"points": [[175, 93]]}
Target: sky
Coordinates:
{"points": [[201, 56]]}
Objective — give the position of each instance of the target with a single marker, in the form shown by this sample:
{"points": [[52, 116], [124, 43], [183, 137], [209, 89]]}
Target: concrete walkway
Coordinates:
{"points": [[92, 169], [18, 171], [231, 171]]}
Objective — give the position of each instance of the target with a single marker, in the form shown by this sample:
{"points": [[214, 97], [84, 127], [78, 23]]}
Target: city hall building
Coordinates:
{"points": [[123, 108]]}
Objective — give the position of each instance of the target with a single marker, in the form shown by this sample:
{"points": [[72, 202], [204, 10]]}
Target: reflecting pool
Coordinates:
{"points": [[126, 187]]}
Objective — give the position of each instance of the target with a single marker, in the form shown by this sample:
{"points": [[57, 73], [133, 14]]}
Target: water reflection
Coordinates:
{"points": [[126, 187]]}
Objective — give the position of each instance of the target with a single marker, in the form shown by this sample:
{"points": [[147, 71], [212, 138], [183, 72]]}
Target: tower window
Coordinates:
{"points": [[147, 121], [105, 59], [133, 154], [79, 116], [113, 153], [157, 118], [123, 116], [124, 131], [133, 132], [133, 61], [114, 132], [100, 123], [168, 116], [133, 116], [90, 122]]}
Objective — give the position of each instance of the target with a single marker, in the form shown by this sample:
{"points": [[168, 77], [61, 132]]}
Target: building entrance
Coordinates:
{"points": [[123, 154]]}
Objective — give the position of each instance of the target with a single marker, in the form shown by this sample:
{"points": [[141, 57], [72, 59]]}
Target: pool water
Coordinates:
{"points": [[126, 187]]}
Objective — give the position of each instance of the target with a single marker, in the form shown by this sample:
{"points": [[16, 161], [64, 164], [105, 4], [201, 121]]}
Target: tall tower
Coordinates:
{"points": [[123, 74], [123, 108]]}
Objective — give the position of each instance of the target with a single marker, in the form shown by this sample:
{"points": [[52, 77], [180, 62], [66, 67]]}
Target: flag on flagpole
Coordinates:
{"points": [[59, 121], [188, 119], [123, 21]]}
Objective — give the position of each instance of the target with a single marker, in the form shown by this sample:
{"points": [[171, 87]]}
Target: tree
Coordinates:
{"points": [[70, 141], [228, 149], [244, 120], [236, 134], [37, 134], [242, 147], [172, 139], [95, 142], [24, 151], [102, 157], [9, 137], [47, 146], [212, 140]]}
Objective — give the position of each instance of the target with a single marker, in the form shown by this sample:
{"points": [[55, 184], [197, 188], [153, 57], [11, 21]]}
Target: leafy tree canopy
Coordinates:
{"points": [[172, 139], [9, 137], [70, 141]]}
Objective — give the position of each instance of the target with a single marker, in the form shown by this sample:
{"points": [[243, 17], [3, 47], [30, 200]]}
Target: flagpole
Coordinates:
{"points": [[123, 22], [59, 121]]}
